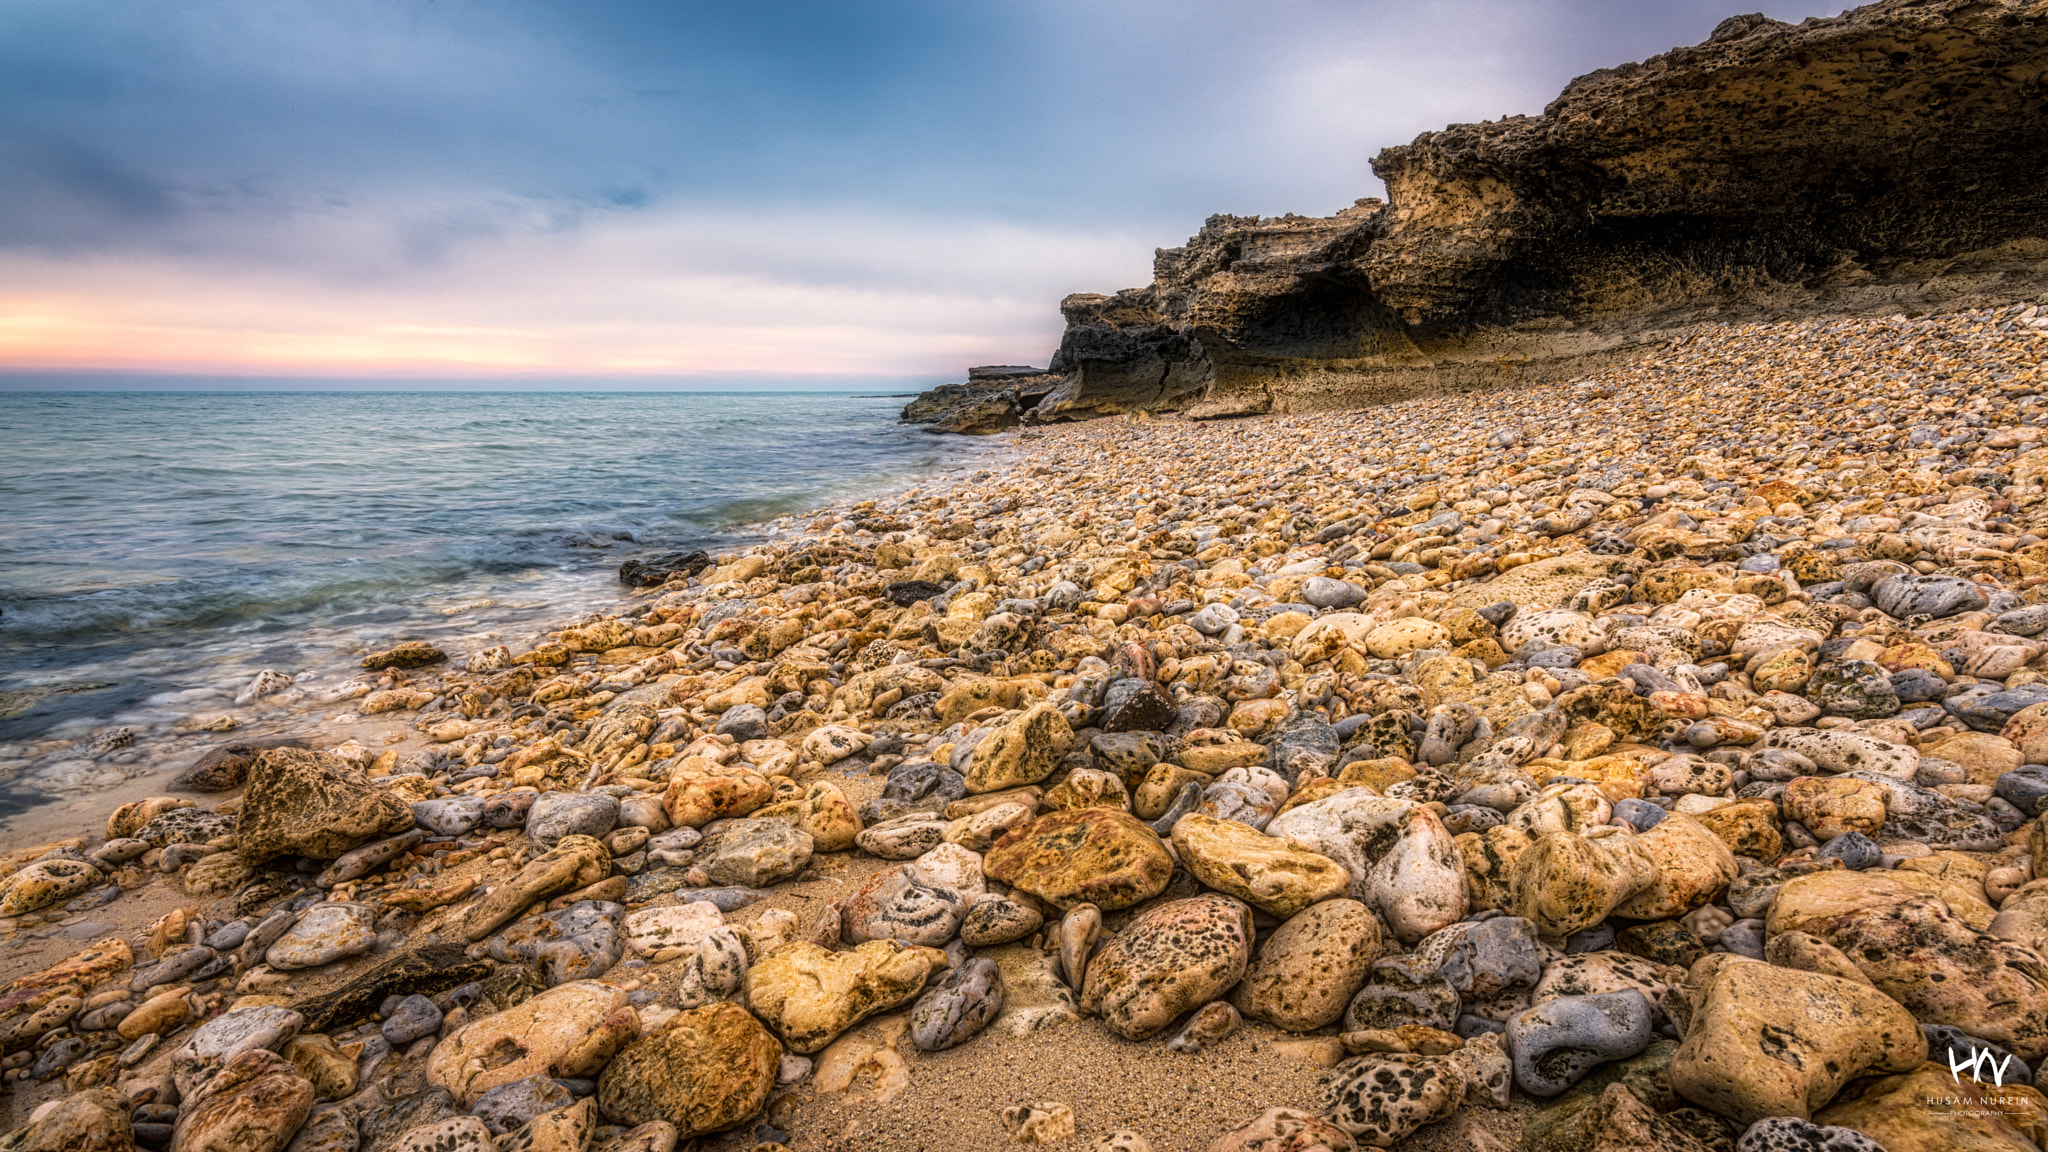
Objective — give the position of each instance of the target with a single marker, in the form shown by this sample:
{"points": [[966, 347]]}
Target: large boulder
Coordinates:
{"points": [[312, 804], [1921, 952], [1022, 751], [1565, 882], [255, 1104], [1931, 1109], [1308, 969], [1693, 867], [95, 1120]]}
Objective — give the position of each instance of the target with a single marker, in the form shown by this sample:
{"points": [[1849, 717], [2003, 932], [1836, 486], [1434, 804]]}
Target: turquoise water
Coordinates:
{"points": [[169, 545]]}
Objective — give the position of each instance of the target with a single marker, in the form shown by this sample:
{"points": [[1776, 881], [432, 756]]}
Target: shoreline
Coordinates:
{"points": [[172, 734], [1571, 615]]}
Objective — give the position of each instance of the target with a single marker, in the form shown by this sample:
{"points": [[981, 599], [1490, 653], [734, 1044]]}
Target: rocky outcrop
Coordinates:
{"points": [[1891, 158], [994, 397]]}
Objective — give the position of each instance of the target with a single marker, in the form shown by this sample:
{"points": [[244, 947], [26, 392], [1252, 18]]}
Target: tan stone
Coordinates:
{"points": [[1693, 867], [1308, 969], [1832, 805], [706, 1070], [549, 1035], [1096, 856], [1566, 882], [1238, 860], [823, 811], [1983, 756], [808, 995], [1168, 961], [1025, 750], [312, 804], [1770, 1041], [1928, 1110]]}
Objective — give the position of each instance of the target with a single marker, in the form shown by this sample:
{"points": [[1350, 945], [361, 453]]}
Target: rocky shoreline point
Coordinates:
{"points": [[1657, 761], [1888, 159]]}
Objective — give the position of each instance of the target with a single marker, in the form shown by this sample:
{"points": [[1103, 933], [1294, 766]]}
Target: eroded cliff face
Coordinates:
{"points": [[1892, 158]]}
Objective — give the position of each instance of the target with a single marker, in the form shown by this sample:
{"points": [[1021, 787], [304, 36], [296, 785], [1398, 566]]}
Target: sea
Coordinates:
{"points": [[158, 550]]}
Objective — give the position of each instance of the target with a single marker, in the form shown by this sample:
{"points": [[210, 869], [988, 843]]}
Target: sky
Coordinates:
{"points": [[754, 193]]}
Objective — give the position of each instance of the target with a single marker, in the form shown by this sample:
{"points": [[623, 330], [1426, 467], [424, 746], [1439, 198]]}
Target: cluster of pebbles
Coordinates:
{"points": [[1663, 755]]}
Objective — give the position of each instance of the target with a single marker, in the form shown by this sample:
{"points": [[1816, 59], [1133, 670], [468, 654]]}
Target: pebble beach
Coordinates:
{"points": [[1658, 760]]}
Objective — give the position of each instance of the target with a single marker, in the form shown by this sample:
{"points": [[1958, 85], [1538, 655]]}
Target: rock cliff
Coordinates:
{"points": [[1893, 158]]}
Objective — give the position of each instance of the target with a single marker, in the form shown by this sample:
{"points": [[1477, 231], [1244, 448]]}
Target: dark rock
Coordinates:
{"points": [[580, 942], [743, 722], [381, 1125], [959, 1005], [415, 1016], [424, 971], [508, 1107], [1141, 707], [1403, 990], [663, 568], [904, 593], [411, 654], [555, 815], [2025, 788]]}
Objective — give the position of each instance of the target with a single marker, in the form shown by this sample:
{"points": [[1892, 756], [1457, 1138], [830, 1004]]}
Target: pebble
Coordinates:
{"points": [[1609, 668], [323, 934], [414, 1017], [963, 1002]]}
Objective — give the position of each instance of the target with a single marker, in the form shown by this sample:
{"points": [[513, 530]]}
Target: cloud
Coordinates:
{"points": [[674, 293], [807, 186]]}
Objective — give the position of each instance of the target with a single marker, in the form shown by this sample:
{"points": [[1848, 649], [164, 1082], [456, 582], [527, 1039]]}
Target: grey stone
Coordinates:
{"points": [[1640, 814], [1949, 1045], [999, 920], [1791, 1134], [1557, 1042], [1493, 957], [959, 1005], [359, 862], [1328, 592], [326, 932], [1986, 708], [1744, 938], [227, 1036], [580, 942], [508, 1107], [1403, 990], [1932, 596], [2025, 788], [918, 780], [450, 815], [415, 1016], [1856, 689], [751, 854], [556, 815], [1855, 850], [899, 904]]}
